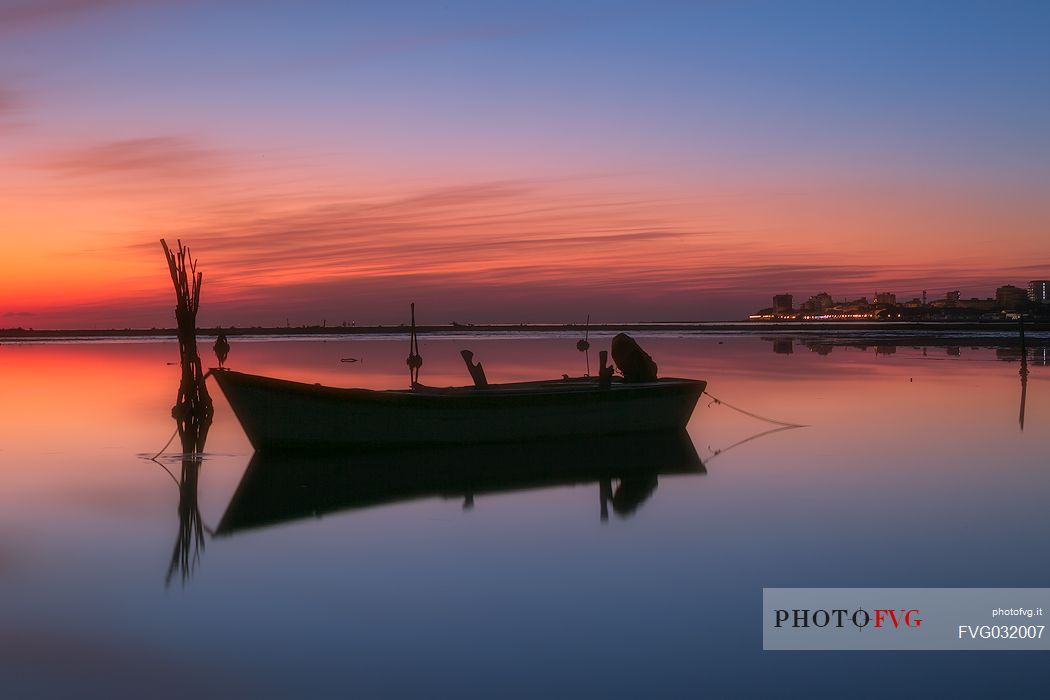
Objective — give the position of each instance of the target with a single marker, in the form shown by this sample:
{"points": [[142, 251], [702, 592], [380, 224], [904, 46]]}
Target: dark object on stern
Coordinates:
{"points": [[634, 363]]}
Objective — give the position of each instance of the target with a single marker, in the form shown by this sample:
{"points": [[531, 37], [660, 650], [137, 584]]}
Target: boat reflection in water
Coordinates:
{"points": [[279, 487]]}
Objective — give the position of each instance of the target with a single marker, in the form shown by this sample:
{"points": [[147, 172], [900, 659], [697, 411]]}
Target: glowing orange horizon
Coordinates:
{"points": [[544, 173], [551, 242]]}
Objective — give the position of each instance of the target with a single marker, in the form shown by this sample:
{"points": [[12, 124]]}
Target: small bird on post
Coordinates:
{"points": [[222, 349]]}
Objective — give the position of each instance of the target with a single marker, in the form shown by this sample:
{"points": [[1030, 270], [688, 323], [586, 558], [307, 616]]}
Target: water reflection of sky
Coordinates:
{"points": [[913, 472]]}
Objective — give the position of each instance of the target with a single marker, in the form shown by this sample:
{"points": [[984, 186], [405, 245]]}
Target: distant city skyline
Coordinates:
{"points": [[1034, 296], [514, 162]]}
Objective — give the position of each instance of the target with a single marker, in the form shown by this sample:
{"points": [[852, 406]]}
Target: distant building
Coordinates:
{"points": [[1039, 291], [1010, 297], [817, 302], [888, 298], [977, 304], [948, 302], [823, 300], [782, 304]]}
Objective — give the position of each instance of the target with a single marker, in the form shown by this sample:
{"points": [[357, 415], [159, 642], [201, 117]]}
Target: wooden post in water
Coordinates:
{"points": [[193, 407], [1023, 372], [192, 410], [1020, 330]]}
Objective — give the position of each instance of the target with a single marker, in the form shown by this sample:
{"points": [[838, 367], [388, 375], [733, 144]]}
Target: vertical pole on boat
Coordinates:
{"points": [[415, 360], [587, 343], [584, 345]]}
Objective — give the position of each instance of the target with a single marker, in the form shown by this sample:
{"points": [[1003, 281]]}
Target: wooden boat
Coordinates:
{"points": [[280, 487], [281, 414]]}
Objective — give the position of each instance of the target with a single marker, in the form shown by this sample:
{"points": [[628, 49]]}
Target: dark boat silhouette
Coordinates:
{"points": [[279, 487], [281, 414]]}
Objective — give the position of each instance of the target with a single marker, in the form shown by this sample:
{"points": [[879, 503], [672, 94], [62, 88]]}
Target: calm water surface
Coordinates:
{"points": [[913, 471]]}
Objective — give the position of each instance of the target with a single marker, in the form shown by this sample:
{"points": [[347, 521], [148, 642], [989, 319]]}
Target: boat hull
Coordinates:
{"points": [[280, 414]]}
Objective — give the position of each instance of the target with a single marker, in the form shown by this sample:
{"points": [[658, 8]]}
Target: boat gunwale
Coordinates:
{"points": [[541, 389]]}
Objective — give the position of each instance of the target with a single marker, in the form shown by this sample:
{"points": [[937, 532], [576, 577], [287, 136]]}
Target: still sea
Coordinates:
{"points": [[917, 466]]}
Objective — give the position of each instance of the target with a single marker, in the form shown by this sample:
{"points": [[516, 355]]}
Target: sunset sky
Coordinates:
{"points": [[515, 161]]}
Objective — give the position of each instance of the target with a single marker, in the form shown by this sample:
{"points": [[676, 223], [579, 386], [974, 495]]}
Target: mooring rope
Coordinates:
{"points": [[174, 478], [716, 400], [166, 445], [756, 436]]}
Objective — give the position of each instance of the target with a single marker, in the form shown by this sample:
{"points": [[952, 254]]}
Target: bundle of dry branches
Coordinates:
{"points": [[193, 407]]}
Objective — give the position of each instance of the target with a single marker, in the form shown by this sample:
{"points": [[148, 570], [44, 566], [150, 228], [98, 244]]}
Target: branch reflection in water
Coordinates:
{"points": [[190, 540]]}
